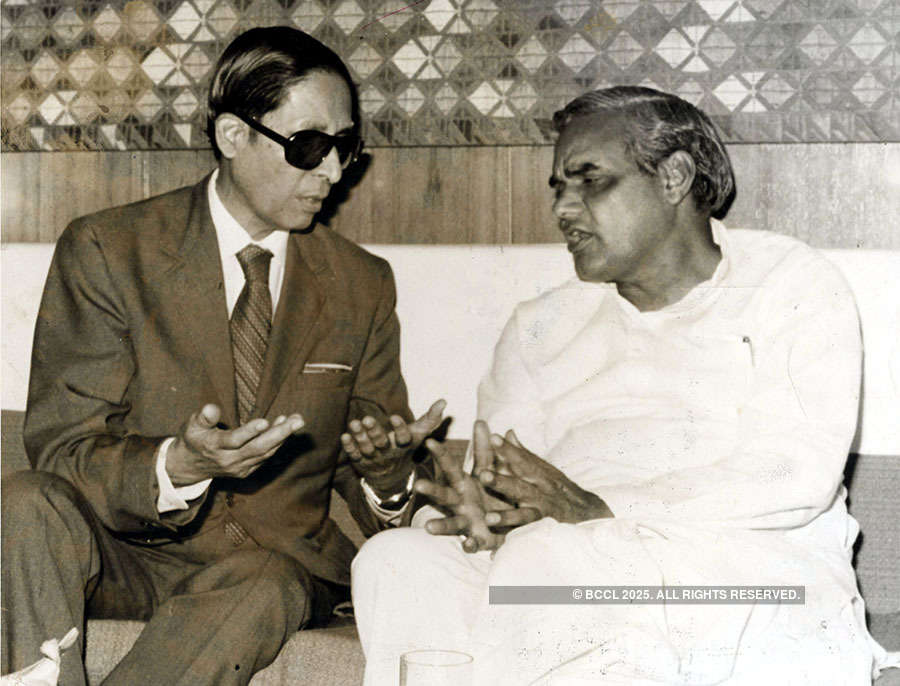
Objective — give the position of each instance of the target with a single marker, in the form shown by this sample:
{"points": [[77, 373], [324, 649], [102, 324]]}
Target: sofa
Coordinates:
{"points": [[452, 304]]}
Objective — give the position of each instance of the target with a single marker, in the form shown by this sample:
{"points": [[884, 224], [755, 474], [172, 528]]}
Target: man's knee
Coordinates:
{"points": [[541, 552], [283, 578], [32, 497], [407, 556], [274, 587], [273, 573], [394, 548]]}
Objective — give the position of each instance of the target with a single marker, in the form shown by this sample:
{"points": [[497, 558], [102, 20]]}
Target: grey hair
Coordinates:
{"points": [[657, 124]]}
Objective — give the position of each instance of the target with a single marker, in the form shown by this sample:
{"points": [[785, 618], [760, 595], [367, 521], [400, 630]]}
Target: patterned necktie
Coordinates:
{"points": [[251, 321]]}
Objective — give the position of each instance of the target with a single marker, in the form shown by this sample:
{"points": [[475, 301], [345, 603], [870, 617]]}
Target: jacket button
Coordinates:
{"points": [[229, 499]]}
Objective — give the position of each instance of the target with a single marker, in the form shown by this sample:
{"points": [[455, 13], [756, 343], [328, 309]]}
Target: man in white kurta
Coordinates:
{"points": [[697, 389]]}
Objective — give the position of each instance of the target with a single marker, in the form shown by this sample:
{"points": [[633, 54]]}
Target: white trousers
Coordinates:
{"points": [[413, 591]]}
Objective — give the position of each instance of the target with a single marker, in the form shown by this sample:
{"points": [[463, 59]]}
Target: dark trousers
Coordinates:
{"points": [[216, 611]]}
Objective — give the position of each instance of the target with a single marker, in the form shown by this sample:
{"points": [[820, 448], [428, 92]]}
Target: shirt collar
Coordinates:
{"points": [[233, 237]]}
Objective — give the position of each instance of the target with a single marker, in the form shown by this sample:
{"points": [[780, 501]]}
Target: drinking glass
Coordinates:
{"points": [[435, 668]]}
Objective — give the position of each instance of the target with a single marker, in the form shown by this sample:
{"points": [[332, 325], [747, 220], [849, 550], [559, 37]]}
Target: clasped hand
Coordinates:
{"points": [[201, 450], [385, 458], [509, 487]]}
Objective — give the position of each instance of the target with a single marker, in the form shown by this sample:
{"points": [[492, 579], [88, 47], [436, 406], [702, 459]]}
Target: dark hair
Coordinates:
{"points": [[256, 69], [657, 124]]}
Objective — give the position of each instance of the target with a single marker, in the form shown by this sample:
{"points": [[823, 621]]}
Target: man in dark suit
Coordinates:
{"points": [[197, 356]]}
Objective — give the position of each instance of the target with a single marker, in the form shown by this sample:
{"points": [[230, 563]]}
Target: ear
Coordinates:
{"points": [[676, 173], [231, 134]]}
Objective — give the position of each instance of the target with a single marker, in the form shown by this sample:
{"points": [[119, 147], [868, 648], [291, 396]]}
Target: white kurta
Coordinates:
{"points": [[716, 430]]}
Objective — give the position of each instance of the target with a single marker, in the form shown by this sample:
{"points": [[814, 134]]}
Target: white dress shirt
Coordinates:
{"points": [[231, 238]]}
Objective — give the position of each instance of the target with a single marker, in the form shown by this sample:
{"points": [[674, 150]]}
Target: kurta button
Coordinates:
{"points": [[229, 499]]}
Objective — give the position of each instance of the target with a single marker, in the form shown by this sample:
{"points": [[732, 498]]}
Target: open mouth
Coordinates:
{"points": [[577, 241], [312, 203]]}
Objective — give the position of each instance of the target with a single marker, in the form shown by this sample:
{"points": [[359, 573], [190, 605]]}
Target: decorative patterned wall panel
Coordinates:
{"points": [[117, 75]]}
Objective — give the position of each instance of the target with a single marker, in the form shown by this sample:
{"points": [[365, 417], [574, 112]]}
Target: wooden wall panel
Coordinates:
{"points": [[831, 195], [834, 195], [40, 193], [532, 218], [168, 170], [430, 195]]}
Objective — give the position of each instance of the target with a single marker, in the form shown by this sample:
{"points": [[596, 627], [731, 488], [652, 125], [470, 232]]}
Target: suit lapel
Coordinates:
{"points": [[196, 284], [297, 326]]}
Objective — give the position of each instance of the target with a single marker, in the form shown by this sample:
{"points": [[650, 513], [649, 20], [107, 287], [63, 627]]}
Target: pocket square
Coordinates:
{"points": [[326, 368]]}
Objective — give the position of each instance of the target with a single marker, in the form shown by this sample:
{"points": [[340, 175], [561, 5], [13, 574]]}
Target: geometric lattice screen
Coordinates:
{"points": [[116, 75]]}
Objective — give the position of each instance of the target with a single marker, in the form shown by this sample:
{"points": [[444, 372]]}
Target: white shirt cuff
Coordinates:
{"points": [[171, 498]]}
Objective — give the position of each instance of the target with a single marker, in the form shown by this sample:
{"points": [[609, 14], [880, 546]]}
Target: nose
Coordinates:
{"points": [[568, 205], [330, 167]]}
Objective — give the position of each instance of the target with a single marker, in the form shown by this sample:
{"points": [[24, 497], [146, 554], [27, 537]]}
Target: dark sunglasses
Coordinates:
{"points": [[308, 149]]}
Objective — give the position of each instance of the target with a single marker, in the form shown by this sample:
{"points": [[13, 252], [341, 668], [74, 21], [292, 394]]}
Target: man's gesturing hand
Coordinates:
{"points": [[384, 458], [468, 502], [202, 451], [465, 498], [531, 482]]}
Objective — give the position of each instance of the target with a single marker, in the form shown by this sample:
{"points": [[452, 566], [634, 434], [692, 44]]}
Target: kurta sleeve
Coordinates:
{"points": [[796, 426], [508, 396]]}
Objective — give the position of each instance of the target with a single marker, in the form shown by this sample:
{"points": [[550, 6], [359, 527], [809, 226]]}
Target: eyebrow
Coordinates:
{"points": [[577, 171]]}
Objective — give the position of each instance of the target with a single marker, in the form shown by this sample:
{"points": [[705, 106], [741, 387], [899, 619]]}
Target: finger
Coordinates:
{"points": [[279, 420], [448, 526], [350, 448], [516, 517], [518, 459], [357, 430], [402, 434], [208, 416], [512, 438], [470, 545], [450, 467], [510, 487], [376, 434], [442, 495], [239, 437], [435, 412], [501, 466], [267, 442], [481, 447], [429, 421]]}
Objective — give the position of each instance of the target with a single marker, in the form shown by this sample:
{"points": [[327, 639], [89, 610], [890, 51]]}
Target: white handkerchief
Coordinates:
{"points": [[325, 368], [44, 672]]}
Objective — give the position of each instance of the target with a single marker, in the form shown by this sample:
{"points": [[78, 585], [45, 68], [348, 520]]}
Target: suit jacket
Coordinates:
{"points": [[133, 337]]}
